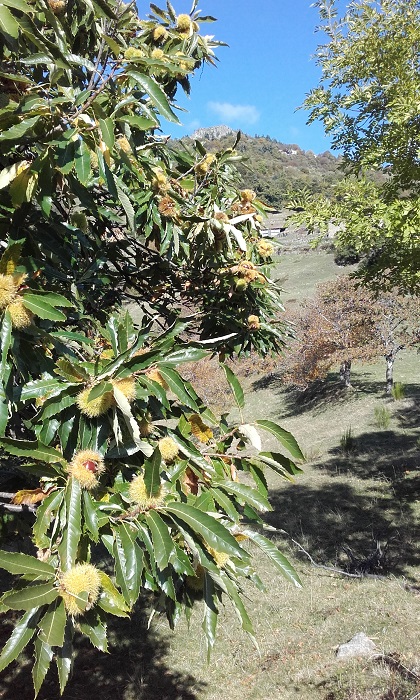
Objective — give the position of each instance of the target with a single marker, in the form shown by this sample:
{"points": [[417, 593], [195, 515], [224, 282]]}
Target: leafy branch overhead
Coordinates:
{"points": [[115, 449], [367, 100]]}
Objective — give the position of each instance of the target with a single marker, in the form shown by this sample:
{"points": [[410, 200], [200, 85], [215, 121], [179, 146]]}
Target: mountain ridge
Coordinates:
{"points": [[272, 168]]}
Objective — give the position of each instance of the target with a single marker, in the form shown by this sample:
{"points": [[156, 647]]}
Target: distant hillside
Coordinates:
{"points": [[272, 168]]}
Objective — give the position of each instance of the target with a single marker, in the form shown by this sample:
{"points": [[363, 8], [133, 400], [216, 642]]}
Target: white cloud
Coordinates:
{"points": [[246, 114]]}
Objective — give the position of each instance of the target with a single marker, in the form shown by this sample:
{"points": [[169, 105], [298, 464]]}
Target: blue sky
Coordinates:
{"points": [[264, 74]]}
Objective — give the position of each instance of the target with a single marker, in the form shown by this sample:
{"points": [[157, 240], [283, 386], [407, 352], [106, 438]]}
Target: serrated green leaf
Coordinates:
{"points": [[279, 463], [5, 340], [54, 299], [18, 563], [278, 559], [41, 308], [17, 5], [15, 133], [99, 390], [21, 636], [82, 162], [110, 599], [162, 540], [71, 372], [225, 503], [239, 607], [64, 657], [210, 529], [234, 385], [31, 597], [43, 658], [82, 600], [156, 94], [92, 626], [142, 123], [58, 403], [210, 613], [44, 515], [177, 386], [107, 131], [283, 436], [32, 450], [37, 388], [181, 355], [152, 478], [246, 494], [53, 624], [113, 45], [157, 11], [73, 530], [90, 515], [4, 407], [70, 335], [128, 563], [8, 24], [181, 562], [126, 204]]}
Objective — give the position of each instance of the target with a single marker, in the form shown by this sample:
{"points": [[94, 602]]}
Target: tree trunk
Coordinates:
{"points": [[345, 369], [390, 359]]}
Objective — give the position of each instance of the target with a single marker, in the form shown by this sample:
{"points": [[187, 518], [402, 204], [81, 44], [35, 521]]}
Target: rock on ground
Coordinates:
{"points": [[359, 645]]}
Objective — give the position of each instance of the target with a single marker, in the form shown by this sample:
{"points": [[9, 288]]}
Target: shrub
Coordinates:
{"points": [[347, 441], [398, 391], [382, 416]]}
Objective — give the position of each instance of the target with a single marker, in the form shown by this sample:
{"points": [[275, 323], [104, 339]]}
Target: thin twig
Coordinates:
{"points": [[327, 568], [17, 508]]}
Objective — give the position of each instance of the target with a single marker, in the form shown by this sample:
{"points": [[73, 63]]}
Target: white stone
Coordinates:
{"points": [[359, 645]]}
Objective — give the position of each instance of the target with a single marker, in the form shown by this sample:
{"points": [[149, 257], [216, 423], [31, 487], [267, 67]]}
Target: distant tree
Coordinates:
{"points": [[333, 329], [368, 100], [345, 321], [397, 325]]}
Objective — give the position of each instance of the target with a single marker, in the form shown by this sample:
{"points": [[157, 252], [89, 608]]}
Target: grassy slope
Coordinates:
{"points": [[353, 498]]}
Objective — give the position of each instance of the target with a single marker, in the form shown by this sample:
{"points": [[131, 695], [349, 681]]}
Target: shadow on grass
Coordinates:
{"points": [[408, 414], [135, 669], [369, 532], [383, 454], [319, 396]]}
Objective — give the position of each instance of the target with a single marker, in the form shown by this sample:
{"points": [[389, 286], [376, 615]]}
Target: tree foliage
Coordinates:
{"points": [[332, 329], [345, 321], [396, 318], [367, 100], [119, 453]]}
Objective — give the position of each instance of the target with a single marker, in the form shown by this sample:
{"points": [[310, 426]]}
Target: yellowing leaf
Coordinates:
{"points": [[28, 497], [7, 175], [10, 258]]}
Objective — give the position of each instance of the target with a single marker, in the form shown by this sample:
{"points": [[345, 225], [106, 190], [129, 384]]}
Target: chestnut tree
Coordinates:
{"points": [[118, 453]]}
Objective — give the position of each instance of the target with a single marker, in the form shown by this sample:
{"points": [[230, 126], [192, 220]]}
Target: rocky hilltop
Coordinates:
{"points": [[213, 133]]}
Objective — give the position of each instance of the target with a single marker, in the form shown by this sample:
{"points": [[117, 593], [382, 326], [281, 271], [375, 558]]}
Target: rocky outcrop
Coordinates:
{"points": [[213, 133]]}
